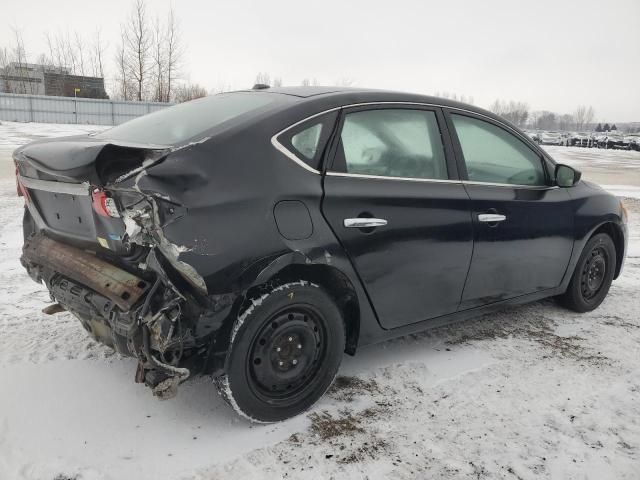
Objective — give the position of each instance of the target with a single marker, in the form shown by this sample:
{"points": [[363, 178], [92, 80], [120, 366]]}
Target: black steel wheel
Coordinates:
{"points": [[592, 276], [594, 272], [285, 351]]}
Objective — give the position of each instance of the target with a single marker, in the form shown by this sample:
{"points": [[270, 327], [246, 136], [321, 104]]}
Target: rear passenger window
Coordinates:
{"points": [[306, 142], [493, 155], [392, 143]]}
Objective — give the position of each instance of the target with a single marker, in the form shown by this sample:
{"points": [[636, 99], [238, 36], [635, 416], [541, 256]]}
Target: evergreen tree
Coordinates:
{"points": [[606, 127], [599, 128], [614, 127]]}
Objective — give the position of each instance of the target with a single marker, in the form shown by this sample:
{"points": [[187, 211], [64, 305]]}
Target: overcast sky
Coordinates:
{"points": [[553, 55]]}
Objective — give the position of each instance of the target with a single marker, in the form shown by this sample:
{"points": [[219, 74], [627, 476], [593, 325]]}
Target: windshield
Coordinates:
{"points": [[175, 125]]}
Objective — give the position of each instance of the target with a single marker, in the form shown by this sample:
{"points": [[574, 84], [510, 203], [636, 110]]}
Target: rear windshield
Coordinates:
{"points": [[177, 124]]}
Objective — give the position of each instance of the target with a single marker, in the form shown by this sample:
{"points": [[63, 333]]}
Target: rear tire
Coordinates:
{"points": [[592, 276], [284, 353]]}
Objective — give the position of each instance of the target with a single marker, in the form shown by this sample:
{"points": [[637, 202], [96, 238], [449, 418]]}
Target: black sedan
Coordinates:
{"points": [[257, 235]]}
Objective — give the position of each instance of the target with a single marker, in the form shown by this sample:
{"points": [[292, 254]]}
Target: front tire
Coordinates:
{"points": [[284, 353], [592, 276]]}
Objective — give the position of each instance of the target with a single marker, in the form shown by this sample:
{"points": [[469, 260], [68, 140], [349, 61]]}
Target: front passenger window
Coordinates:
{"points": [[493, 155]]}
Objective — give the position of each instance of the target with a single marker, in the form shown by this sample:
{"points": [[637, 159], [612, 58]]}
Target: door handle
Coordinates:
{"points": [[364, 222], [491, 217]]}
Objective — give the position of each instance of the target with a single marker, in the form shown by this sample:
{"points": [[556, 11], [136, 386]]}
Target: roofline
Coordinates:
{"points": [[393, 96]]}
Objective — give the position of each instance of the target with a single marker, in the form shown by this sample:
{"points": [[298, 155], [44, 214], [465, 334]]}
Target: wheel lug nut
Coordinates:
{"points": [[278, 349], [294, 361], [299, 346], [291, 339], [281, 363]]}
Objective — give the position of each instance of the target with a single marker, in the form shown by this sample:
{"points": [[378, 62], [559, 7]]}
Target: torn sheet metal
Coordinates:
{"points": [[144, 227]]}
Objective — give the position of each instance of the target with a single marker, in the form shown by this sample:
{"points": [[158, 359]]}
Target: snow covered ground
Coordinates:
{"points": [[533, 392], [606, 167]]}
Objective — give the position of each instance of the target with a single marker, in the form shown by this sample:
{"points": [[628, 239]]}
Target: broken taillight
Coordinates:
{"points": [[19, 186], [103, 204], [21, 189]]}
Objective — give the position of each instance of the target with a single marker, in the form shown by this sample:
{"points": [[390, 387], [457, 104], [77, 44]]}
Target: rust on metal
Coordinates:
{"points": [[121, 287]]}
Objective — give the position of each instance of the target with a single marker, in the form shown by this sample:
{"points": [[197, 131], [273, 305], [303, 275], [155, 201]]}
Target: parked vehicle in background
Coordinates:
{"points": [[599, 139], [533, 135], [633, 141], [583, 139], [256, 236], [566, 138], [614, 140], [551, 138]]}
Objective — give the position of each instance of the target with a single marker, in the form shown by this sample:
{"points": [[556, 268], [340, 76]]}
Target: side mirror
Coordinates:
{"points": [[567, 176]]}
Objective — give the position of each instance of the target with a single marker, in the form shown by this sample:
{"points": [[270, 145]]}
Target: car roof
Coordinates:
{"points": [[320, 97], [308, 91]]}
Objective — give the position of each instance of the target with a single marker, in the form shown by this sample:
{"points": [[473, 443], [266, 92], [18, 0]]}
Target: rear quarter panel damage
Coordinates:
{"points": [[219, 204]]}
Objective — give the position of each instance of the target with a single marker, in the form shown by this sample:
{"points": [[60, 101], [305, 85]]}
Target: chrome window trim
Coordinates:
{"points": [[437, 180], [383, 177], [79, 189], [510, 185], [292, 156], [281, 148], [289, 154]]}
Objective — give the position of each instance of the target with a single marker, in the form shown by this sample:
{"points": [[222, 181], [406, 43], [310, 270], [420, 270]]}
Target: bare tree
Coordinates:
{"points": [[20, 65], [306, 82], [57, 53], [263, 78], [68, 47], [147, 60], [515, 112], [345, 82], [185, 92], [174, 52], [5, 60], [166, 56], [589, 116], [453, 96], [137, 41], [221, 88], [123, 82], [565, 122], [546, 120], [159, 62], [583, 116], [450, 96], [79, 52], [97, 55]]}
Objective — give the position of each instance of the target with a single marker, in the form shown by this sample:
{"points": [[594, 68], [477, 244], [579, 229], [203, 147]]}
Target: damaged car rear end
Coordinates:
{"points": [[96, 240], [118, 230]]}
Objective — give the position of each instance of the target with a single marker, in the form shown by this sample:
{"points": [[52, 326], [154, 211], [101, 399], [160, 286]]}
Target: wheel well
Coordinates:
{"points": [[336, 284], [614, 232]]}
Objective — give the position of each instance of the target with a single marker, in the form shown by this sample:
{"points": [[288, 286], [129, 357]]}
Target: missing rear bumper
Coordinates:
{"points": [[133, 315], [119, 286]]}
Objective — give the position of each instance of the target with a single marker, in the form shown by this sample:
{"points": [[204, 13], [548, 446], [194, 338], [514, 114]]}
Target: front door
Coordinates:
{"points": [[523, 225], [394, 201]]}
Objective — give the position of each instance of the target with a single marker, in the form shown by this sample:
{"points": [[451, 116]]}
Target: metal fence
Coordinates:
{"points": [[47, 109]]}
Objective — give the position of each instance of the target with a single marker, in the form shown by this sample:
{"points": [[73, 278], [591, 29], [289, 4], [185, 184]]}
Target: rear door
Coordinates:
{"points": [[394, 200], [523, 225]]}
